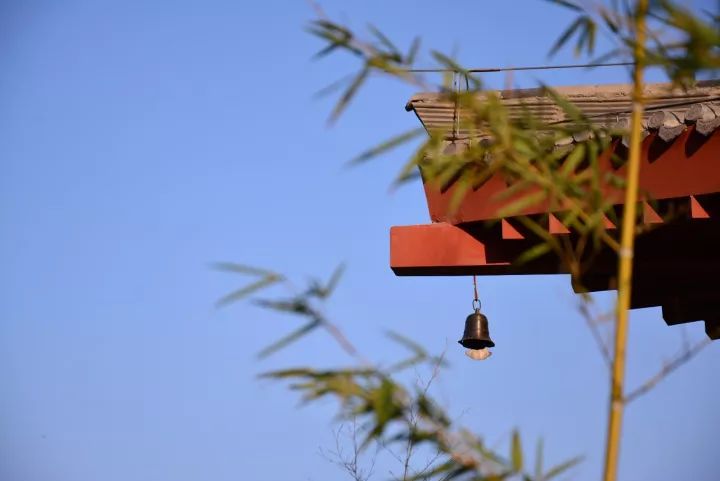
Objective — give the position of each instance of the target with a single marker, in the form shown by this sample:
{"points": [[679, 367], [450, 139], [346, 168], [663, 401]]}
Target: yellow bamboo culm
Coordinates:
{"points": [[625, 255]]}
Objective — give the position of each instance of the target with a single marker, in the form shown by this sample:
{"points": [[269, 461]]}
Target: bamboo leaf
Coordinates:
{"points": [[611, 22], [561, 468], [306, 372], [533, 253], [246, 291], [565, 36], [320, 291], [293, 306], [243, 269], [539, 461], [567, 4], [385, 41], [516, 207], [450, 64], [387, 146], [406, 363], [330, 88], [334, 279], [288, 373], [430, 410], [412, 53], [462, 187], [573, 160], [408, 343], [587, 39], [569, 108], [349, 94], [289, 339], [433, 472], [516, 455]]}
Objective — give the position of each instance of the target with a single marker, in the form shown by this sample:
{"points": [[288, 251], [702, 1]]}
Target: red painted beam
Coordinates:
{"points": [[689, 165], [439, 249]]}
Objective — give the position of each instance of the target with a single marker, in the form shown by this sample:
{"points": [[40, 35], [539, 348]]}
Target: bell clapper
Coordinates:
{"points": [[478, 354]]}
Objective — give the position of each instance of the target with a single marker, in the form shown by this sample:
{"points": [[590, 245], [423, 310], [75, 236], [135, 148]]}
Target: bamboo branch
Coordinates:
{"points": [[668, 368], [625, 254], [593, 326]]}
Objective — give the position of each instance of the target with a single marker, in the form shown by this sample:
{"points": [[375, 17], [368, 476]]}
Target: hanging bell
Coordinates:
{"points": [[477, 334]]}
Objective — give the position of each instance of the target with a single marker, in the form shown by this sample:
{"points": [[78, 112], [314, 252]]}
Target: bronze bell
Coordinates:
{"points": [[477, 334]]}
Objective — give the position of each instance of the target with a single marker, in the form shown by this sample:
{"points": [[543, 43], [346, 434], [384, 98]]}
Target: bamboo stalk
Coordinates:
{"points": [[625, 255]]}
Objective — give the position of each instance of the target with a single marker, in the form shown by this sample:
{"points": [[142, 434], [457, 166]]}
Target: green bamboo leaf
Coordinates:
{"points": [[433, 472], [561, 468], [573, 160], [331, 26], [516, 455], [335, 39], [586, 40], [533, 253], [566, 4], [289, 339], [516, 207], [499, 476], [612, 23], [385, 408], [333, 45], [539, 461], [455, 67], [565, 36], [306, 372], [462, 187], [288, 373], [349, 94], [515, 188], [246, 291], [387, 146], [421, 155], [334, 86], [407, 342], [293, 306], [384, 40], [412, 53], [406, 363], [320, 291], [430, 410], [570, 109], [243, 269], [334, 279]]}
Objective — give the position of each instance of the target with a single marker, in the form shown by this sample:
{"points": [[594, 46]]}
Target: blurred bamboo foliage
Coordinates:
{"points": [[390, 412]]}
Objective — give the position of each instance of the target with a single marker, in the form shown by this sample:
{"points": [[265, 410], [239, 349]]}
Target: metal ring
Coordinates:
{"points": [[476, 304]]}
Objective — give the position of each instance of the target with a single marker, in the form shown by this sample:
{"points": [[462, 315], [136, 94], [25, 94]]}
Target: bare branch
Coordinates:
{"points": [[687, 354], [350, 463], [592, 324]]}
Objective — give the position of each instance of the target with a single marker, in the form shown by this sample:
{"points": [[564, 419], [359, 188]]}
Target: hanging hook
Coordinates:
{"points": [[476, 299]]}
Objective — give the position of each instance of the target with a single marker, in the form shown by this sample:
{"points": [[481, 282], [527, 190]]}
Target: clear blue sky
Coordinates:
{"points": [[140, 141]]}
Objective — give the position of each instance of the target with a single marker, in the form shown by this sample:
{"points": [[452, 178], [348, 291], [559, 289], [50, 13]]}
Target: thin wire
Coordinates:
{"points": [[515, 69]]}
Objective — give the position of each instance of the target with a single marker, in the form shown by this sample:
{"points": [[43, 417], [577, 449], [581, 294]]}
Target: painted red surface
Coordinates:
{"points": [[687, 166], [676, 263]]}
